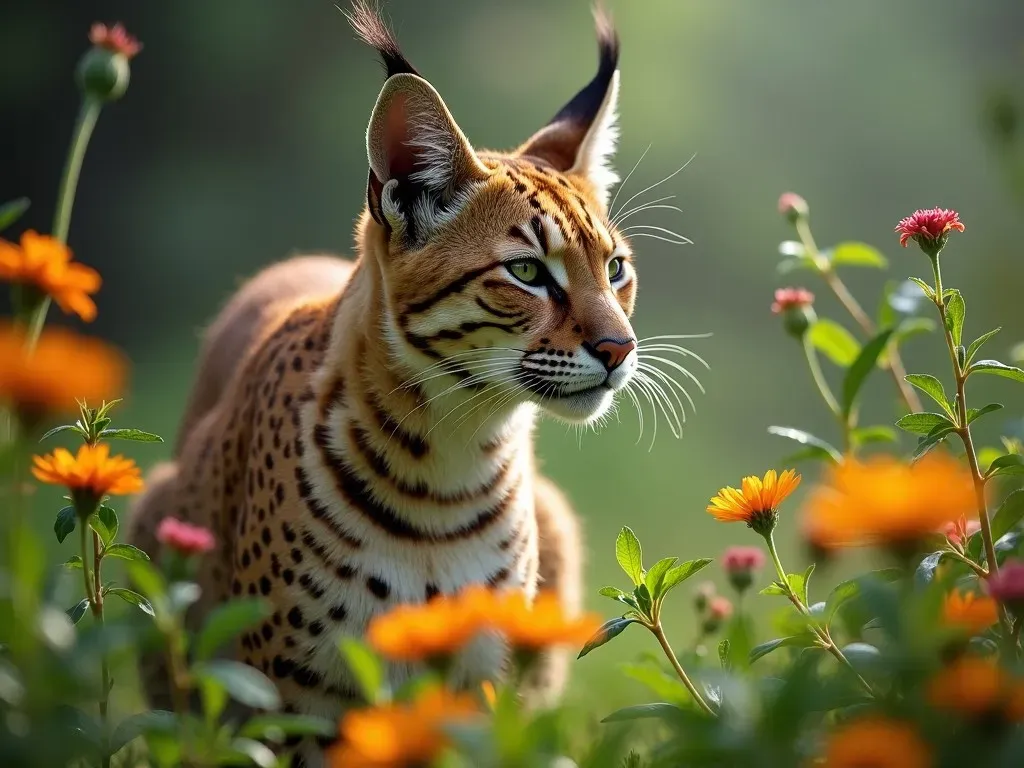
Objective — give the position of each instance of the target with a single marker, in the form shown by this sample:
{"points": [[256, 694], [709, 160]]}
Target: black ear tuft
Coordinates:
{"points": [[372, 30], [585, 105]]}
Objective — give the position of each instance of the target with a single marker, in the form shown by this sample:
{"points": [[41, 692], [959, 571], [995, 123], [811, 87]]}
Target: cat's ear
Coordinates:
{"points": [[420, 161], [581, 138]]}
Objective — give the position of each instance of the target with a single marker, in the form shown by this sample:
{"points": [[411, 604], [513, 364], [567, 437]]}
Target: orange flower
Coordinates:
{"points": [[757, 504], [45, 263], [874, 742], [976, 688], [969, 612], [64, 366], [884, 501], [399, 735], [93, 471], [532, 627], [433, 630]]}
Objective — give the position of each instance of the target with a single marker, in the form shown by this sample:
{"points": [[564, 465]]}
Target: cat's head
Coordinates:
{"points": [[502, 269]]}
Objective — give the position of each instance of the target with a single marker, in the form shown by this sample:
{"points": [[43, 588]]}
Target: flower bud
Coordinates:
{"points": [[793, 207], [702, 595], [930, 229], [103, 72], [797, 310], [740, 563], [1007, 586], [719, 611], [184, 538]]}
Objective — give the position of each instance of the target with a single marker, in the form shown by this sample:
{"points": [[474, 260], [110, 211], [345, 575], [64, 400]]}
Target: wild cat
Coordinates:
{"points": [[360, 433]]}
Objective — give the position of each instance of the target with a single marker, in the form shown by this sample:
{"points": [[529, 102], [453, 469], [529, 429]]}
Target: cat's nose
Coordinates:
{"points": [[613, 352]]}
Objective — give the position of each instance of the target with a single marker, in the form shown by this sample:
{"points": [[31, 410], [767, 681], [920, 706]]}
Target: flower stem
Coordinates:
{"points": [[963, 429], [97, 612], [826, 391], [659, 633], [838, 287], [88, 113], [821, 633]]}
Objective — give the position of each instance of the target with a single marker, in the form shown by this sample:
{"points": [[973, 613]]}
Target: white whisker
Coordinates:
{"points": [[659, 183], [611, 205], [679, 368]]}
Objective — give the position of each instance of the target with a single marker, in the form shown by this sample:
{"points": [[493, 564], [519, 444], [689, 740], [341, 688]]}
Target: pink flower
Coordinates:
{"points": [[791, 298], [959, 531], [720, 608], [184, 538], [115, 39], [1007, 586], [742, 559], [792, 206], [929, 227]]}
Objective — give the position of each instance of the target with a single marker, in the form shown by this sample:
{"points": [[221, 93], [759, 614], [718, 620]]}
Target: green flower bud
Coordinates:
{"points": [[103, 72]]}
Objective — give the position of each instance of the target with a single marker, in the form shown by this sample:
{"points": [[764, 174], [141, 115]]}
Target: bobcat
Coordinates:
{"points": [[360, 434]]}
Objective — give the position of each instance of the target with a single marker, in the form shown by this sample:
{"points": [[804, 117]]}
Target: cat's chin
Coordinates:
{"points": [[581, 407]]}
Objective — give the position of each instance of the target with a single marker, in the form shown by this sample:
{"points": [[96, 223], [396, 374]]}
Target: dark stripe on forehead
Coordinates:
{"points": [[517, 234], [542, 237]]}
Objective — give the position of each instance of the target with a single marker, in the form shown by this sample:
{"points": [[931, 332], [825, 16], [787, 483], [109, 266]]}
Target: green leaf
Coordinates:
{"points": [[132, 598], [775, 588], [793, 641], [248, 752], [617, 594], [61, 428], [1010, 464], [365, 667], [226, 622], [875, 434], [148, 578], [608, 631], [923, 423], [837, 343], [140, 724], [680, 573], [924, 574], [12, 210], [954, 315], [928, 290], [135, 435], [931, 440], [995, 368], [65, 523], [125, 552], [1008, 515], [800, 583], [275, 727], [912, 326], [77, 611], [629, 555], [655, 577], [861, 367], [724, 649], [806, 438], [858, 255], [643, 599], [847, 590], [979, 342], [931, 387], [977, 413], [245, 684], [104, 522], [661, 710], [72, 563]]}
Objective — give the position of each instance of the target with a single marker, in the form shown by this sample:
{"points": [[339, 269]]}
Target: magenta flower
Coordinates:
{"points": [[184, 538], [929, 227], [792, 206], [115, 39], [959, 531], [1007, 586], [742, 559], [791, 298]]}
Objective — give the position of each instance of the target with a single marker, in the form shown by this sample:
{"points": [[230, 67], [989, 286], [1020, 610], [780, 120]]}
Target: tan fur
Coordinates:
{"points": [[360, 435]]}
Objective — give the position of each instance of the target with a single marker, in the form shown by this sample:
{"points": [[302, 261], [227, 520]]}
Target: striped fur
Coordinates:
{"points": [[360, 435]]}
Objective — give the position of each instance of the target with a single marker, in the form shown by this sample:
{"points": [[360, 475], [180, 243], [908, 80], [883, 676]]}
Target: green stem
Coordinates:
{"points": [[97, 612], [659, 633], [821, 633], [826, 391], [88, 113], [838, 287]]}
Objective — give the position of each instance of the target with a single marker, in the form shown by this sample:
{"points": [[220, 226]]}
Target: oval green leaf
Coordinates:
{"points": [[858, 372], [135, 435], [226, 622], [680, 573], [858, 255], [132, 598], [806, 438], [1008, 515], [996, 368], [629, 555], [65, 523], [832, 339], [977, 344], [662, 710], [923, 423], [245, 684], [12, 210], [125, 552], [954, 315], [931, 387], [608, 631]]}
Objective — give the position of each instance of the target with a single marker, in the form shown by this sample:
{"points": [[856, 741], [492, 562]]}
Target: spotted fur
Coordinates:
{"points": [[360, 434]]}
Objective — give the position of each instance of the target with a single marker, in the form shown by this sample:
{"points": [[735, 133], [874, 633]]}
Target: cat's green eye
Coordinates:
{"points": [[527, 271], [615, 267]]}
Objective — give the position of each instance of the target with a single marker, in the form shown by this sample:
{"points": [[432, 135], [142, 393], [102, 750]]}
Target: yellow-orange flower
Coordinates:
{"points": [[93, 471], [432, 630], [543, 623], [969, 612], [400, 735], [757, 502], [45, 263], [975, 688], [62, 368], [874, 742], [885, 501]]}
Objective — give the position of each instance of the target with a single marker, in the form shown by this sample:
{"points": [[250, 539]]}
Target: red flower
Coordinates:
{"points": [[791, 298], [929, 227], [792, 205], [1007, 586], [720, 608], [115, 39], [742, 559], [186, 539], [959, 531]]}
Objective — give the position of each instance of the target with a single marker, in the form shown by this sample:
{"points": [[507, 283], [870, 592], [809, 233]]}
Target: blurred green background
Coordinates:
{"points": [[240, 141]]}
